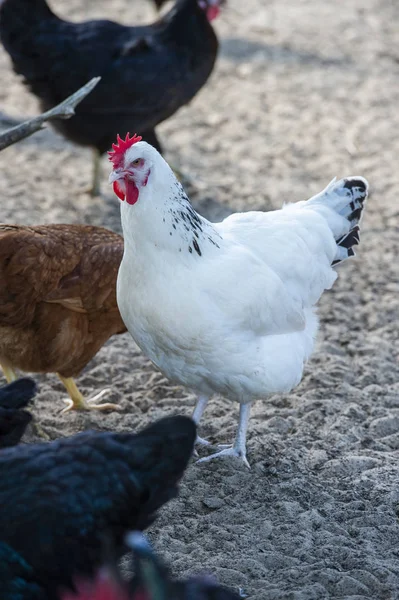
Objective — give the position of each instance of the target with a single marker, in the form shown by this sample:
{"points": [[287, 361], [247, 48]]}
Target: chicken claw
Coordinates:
{"points": [[238, 450], [82, 404], [231, 451], [77, 402], [199, 440], [88, 406], [38, 429]]}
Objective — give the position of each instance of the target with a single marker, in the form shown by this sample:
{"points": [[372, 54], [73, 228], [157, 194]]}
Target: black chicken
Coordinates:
{"points": [[61, 500], [152, 581], [14, 421], [17, 580], [148, 72]]}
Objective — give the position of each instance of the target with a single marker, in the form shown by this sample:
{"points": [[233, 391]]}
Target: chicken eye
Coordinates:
{"points": [[137, 162]]}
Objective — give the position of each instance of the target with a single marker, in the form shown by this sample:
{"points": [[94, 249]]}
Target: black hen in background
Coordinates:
{"points": [[148, 72], [62, 499], [152, 581], [14, 421]]}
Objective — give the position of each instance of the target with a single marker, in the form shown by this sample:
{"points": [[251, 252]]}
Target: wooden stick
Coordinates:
{"points": [[65, 110]]}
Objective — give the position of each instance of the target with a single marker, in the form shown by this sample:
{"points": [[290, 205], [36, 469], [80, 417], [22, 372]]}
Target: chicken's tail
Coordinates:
{"points": [[342, 203]]}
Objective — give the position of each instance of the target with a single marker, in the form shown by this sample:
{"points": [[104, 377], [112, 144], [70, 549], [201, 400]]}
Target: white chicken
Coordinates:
{"points": [[226, 308]]}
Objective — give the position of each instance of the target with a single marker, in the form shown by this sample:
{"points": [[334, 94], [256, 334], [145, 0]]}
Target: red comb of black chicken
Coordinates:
{"points": [[65, 497], [14, 421], [152, 580]]}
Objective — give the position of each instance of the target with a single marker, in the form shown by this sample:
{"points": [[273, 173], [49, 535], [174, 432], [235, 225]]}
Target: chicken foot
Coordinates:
{"points": [[77, 402], [238, 450]]}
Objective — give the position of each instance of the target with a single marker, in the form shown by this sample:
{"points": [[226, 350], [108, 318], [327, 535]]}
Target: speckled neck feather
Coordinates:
{"points": [[196, 233]]}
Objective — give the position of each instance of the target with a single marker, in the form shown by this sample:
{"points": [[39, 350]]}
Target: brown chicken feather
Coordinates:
{"points": [[57, 299]]}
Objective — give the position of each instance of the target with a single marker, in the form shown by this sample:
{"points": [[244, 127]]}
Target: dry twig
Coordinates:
{"points": [[65, 110]]}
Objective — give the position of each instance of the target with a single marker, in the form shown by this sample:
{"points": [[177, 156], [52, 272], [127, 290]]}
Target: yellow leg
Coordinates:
{"points": [[40, 432], [77, 402], [95, 188], [9, 373]]}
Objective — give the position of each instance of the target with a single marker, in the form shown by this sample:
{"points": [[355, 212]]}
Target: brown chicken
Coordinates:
{"points": [[57, 300]]}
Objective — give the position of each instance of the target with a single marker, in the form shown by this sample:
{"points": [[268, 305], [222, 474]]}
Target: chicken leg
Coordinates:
{"points": [[77, 402], [9, 373], [238, 450], [196, 416], [94, 190]]}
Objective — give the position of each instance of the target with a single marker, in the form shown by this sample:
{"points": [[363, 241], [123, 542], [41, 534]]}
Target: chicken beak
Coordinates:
{"points": [[114, 176]]}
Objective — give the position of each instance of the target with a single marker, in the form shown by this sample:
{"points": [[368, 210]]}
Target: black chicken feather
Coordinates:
{"points": [[148, 72], [17, 580], [14, 421], [17, 394], [13, 424], [61, 500]]}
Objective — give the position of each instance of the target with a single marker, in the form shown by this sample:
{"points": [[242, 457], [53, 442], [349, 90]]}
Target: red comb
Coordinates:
{"points": [[119, 149], [101, 589]]}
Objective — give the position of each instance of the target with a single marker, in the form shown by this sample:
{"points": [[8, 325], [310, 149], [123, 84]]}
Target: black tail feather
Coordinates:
{"points": [[351, 239], [359, 190]]}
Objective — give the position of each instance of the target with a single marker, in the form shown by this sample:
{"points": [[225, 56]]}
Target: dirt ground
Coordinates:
{"points": [[303, 90]]}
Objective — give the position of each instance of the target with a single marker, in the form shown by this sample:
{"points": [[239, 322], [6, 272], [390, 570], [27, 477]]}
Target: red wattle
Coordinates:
{"points": [[132, 192], [118, 191]]}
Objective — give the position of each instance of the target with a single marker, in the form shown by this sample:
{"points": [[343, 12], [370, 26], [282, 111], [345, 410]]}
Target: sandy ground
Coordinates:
{"points": [[304, 90]]}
